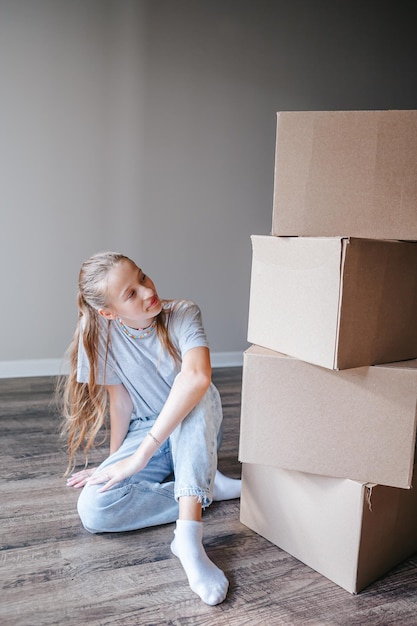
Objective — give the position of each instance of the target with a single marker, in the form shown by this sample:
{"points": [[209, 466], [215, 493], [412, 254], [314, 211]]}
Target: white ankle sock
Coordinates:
{"points": [[226, 488], [204, 577]]}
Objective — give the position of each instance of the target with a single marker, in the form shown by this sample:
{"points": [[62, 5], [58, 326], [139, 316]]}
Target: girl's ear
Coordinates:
{"points": [[106, 314]]}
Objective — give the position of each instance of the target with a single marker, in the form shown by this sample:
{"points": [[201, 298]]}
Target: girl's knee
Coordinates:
{"points": [[90, 514], [210, 407]]}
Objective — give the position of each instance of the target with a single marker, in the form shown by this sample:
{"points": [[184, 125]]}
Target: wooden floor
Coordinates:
{"points": [[53, 572]]}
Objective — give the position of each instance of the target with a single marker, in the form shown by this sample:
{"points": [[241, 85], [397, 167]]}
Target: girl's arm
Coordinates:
{"points": [[121, 407], [188, 389]]}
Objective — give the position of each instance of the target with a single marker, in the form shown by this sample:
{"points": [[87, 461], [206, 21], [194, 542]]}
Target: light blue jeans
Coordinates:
{"points": [[150, 497]]}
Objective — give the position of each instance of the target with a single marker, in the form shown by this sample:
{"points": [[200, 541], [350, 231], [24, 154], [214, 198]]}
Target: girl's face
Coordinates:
{"points": [[131, 296]]}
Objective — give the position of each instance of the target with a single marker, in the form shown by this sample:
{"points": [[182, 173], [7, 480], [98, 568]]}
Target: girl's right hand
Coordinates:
{"points": [[79, 479]]}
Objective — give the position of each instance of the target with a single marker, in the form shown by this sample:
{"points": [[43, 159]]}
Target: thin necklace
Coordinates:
{"points": [[146, 331]]}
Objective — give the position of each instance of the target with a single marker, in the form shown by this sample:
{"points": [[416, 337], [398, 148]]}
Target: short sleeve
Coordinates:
{"points": [[188, 327]]}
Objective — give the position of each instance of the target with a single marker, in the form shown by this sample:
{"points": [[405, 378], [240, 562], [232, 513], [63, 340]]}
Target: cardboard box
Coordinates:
{"points": [[352, 533], [358, 423], [346, 173], [336, 302]]}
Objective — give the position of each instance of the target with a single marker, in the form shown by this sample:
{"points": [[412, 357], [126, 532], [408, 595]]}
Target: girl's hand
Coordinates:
{"points": [[79, 479], [117, 472]]}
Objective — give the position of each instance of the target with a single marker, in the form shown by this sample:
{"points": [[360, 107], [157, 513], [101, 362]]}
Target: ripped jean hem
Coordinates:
{"points": [[204, 497]]}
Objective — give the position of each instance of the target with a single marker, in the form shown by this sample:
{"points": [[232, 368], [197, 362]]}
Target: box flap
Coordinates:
{"points": [[378, 302], [388, 532], [288, 274], [345, 242]]}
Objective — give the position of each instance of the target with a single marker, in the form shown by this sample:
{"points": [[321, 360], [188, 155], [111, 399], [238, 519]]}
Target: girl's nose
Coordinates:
{"points": [[146, 291]]}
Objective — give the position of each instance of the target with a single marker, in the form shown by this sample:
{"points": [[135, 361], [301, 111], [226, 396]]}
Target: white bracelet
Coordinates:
{"points": [[158, 443]]}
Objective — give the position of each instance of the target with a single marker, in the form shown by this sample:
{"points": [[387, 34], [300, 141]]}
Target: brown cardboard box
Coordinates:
{"points": [[336, 302], [346, 173], [358, 423], [352, 533]]}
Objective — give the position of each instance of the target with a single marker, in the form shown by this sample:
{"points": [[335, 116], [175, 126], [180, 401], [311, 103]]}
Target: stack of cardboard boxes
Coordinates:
{"points": [[328, 421]]}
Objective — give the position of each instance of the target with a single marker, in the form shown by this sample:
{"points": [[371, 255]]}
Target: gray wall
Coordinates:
{"points": [[148, 126]]}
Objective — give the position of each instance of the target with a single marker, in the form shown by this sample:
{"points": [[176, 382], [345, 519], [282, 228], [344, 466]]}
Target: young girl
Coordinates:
{"points": [[149, 361]]}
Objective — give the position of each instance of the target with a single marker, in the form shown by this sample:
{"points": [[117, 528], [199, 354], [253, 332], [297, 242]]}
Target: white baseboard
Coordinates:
{"points": [[31, 367], [226, 359], [55, 367]]}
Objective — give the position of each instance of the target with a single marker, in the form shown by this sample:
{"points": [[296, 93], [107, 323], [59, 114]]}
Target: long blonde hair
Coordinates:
{"points": [[84, 405]]}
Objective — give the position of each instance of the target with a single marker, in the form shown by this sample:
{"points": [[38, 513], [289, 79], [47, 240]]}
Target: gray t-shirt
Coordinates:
{"points": [[143, 365]]}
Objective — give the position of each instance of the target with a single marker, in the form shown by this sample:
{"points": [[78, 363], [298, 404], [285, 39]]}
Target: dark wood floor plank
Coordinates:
{"points": [[52, 572]]}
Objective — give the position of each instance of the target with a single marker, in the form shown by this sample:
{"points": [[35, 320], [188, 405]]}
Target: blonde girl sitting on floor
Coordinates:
{"points": [[148, 361]]}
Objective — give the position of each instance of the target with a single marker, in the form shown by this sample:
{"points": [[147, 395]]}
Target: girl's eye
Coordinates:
{"points": [[144, 277], [131, 294]]}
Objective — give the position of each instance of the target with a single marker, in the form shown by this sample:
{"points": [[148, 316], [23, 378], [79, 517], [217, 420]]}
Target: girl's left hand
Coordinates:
{"points": [[116, 473], [79, 479]]}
